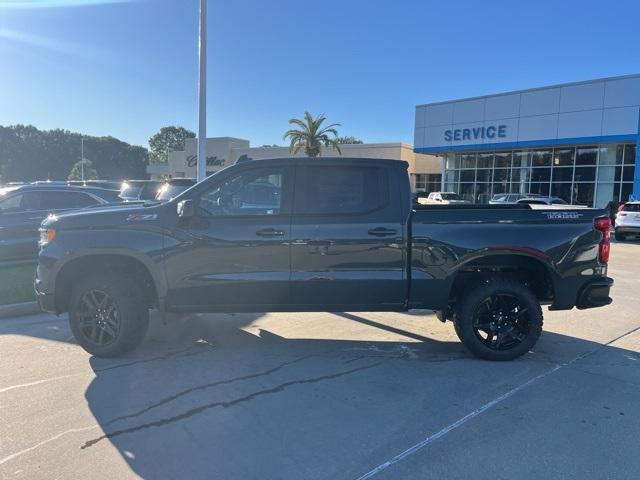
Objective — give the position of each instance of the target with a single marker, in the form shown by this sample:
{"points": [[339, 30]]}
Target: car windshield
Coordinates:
{"points": [[171, 190], [631, 207], [130, 192], [450, 196]]}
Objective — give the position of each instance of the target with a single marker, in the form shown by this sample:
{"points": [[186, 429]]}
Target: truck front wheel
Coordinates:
{"points": [[107, 316], [499, 320]]}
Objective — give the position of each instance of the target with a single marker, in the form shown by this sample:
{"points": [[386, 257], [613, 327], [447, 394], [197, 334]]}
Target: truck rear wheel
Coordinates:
{"points": [[499, 320], [107, 316]]}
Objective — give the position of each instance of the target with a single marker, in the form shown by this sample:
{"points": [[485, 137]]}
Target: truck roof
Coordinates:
{"points": [[347, 160]]}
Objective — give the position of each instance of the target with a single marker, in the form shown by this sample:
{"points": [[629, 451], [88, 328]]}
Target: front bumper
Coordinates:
{"points": [[595, 293], [46, 301]]}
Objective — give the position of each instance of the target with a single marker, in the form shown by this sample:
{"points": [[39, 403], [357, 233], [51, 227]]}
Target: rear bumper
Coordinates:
{"points": [[595, 293], [628, 229]]}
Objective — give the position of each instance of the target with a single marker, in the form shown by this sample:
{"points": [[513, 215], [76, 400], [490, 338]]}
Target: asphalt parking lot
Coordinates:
{"points": [[327, 396]]}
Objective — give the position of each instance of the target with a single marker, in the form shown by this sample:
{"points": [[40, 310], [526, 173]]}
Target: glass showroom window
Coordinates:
{"points": [[584, 175], [428, 182]]}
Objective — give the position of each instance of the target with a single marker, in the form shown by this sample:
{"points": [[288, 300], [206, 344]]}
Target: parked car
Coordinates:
{"points": [[173, 187], [139, 189], [342, 234], [23, 208], [628, 221], [510, 198], [106, 184], [443, 198], [540, 200]]}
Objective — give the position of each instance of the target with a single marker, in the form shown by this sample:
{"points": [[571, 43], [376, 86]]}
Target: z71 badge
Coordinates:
{"points": [[562, 215], [141, 217]]}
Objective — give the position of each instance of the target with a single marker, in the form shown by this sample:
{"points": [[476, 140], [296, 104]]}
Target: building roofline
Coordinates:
{"points": [[220, 138], [526, 90]]}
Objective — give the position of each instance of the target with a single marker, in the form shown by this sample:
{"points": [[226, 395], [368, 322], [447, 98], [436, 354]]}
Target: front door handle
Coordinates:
{"points": [[382, 232], [270, 232]]}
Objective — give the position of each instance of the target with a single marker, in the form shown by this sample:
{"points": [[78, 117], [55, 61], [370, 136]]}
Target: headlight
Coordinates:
{"points": [[46, 235]]}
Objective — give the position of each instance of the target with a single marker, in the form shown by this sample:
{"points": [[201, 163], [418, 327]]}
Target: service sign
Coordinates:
{"points": [[478, 133]]}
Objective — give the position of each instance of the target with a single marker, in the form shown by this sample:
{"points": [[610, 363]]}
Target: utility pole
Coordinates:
{"points": [[82, 158], [202, 94]]}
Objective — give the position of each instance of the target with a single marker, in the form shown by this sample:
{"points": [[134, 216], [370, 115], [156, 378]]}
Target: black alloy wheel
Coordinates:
{"points": [[498, 319], [99, 318], [108, 314], [501, 321]]}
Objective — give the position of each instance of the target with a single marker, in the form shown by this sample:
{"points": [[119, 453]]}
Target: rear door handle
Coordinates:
{"points": [[382, 232], [270, 232]]}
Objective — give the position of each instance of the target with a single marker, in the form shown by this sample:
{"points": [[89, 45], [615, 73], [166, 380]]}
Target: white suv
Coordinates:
{"points": [[628, 220]]}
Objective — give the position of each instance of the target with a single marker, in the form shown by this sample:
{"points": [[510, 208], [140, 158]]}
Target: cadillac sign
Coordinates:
{"points": [[192, 161]]}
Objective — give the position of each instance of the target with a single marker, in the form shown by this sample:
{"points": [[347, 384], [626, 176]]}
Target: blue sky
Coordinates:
{"points": [[127, 68]]}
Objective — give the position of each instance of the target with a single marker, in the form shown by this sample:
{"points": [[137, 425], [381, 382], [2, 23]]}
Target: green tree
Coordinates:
{"points": [[349, 141], [166, 140], [76, 172], [27, 153], [311, 135]]}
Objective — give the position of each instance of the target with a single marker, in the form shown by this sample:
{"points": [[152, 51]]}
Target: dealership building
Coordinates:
{"points": [[425, 171], [577, 141]]}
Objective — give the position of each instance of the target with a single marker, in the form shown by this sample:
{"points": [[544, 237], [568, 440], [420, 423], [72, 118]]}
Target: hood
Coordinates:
{"points": [[106, 216]]}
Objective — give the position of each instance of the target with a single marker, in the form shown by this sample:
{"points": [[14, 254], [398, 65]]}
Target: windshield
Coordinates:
{"points": [[631, 207], [450, 196], [130, 192], [169, 191]]}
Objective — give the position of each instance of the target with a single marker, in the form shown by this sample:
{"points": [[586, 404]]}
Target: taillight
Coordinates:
{"points": [[621, 206], [603, 224]]}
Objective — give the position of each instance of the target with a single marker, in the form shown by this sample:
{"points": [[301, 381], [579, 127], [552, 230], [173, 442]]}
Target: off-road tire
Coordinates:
{"points": [[132, 314], [470, 303]]}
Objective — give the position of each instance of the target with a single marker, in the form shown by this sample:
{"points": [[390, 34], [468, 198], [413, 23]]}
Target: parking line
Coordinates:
{"points": [[37, 382], [454, 425], [432, 438]]}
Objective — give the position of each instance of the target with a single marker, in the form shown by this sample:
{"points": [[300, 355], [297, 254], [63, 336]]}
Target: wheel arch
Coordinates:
{"points": [[82, 266], [532, 270]]}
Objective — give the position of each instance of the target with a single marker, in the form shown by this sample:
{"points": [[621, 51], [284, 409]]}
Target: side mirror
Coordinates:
{"points": [[186, 209]]}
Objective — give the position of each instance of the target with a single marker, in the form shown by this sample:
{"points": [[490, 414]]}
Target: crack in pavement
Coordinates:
{"points": [[182, 393], [180, 353], [224, 404]]}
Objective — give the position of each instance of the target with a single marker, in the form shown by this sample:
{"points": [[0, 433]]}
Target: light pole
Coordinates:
{"points": [[82, 159], [202, 94]]}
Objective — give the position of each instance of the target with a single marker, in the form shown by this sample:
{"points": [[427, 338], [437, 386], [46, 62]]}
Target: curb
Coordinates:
{"points": [[19, 309]]}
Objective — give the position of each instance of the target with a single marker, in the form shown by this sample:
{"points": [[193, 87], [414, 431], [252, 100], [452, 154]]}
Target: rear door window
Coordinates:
{"points": [[340, 190]]}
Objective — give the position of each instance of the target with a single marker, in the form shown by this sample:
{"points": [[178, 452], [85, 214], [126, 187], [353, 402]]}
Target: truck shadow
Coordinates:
{"points": [[210, 399]]}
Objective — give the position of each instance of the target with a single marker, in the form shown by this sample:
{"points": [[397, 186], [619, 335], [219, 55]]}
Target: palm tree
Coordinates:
{"points": [[311, 135]]}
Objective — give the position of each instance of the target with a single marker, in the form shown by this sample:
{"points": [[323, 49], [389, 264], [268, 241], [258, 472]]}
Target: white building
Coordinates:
{"points": [[576, 141], [425, 170]]}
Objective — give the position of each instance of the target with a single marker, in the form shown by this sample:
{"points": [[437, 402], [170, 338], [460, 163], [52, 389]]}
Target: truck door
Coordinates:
{"points": [[234, 255], [347, 245]]}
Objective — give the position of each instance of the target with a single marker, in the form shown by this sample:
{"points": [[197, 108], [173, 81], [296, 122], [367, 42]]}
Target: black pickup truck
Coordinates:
{"points": [[326, 234]]}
